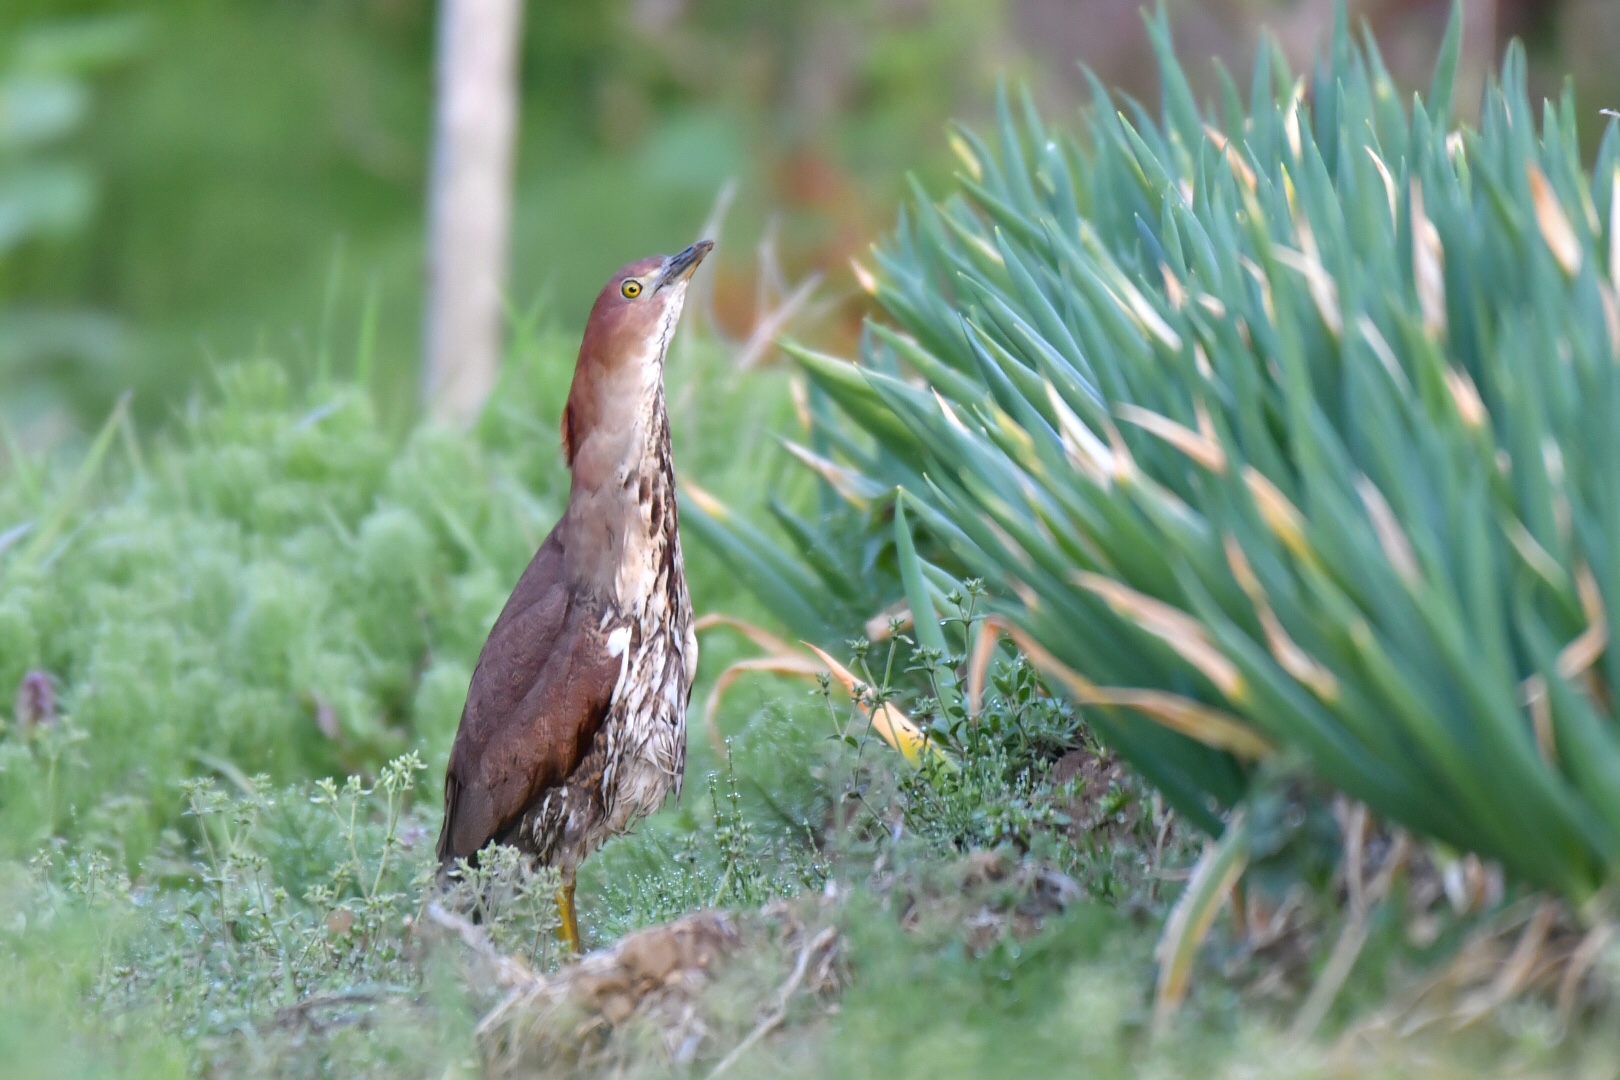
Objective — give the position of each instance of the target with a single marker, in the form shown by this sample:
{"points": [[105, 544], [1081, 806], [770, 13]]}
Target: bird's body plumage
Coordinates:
{"points": [[575, 721]]}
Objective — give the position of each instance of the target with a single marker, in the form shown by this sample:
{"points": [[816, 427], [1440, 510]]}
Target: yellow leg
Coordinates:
{"points": [[569, 930]]}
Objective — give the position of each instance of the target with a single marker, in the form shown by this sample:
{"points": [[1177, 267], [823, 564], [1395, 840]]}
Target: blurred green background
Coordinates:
{"points": [[184, 182]]}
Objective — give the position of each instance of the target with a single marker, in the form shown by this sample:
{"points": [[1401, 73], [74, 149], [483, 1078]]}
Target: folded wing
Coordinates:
{"points": [[541, 689]]}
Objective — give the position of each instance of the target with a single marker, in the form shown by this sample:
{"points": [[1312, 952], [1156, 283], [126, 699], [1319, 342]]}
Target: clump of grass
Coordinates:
{"points": [[1273, 427]]}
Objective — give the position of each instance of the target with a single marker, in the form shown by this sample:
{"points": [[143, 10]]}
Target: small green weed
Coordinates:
{"points": [[285, 913], [997, 783], [739, 855]]}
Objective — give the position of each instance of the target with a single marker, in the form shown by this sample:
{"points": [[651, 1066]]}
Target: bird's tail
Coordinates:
{"points": [[447, 862]]}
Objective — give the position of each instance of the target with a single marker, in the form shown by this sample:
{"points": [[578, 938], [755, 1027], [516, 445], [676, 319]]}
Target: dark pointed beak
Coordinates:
{"points": [[680, 267]]}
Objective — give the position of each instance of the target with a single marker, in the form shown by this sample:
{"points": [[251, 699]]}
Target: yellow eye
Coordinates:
{"points": [[631, 288]]}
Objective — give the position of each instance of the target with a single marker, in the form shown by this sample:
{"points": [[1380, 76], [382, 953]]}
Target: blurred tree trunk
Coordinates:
{"points": [[470, 200]]}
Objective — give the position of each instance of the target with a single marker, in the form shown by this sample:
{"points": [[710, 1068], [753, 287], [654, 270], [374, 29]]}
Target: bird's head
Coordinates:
{"points": [[626, 339], [636, 311]]}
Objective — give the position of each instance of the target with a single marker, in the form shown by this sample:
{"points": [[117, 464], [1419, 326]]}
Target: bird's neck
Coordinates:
{"points": [[616, 420], [620, 512]]}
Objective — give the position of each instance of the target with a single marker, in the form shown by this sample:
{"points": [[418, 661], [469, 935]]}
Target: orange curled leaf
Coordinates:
{"points": [[893, 726], [1197, 721], [774, 665], [1554, 224], [1200, 448], [1304, 667], [877, 627], [753, 632], [978, 665], [1183, 633]]}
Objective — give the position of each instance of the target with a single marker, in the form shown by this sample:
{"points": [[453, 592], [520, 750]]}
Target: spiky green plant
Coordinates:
{"points": [[1295, 422]]}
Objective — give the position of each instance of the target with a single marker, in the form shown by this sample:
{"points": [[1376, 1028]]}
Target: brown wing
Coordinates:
{"points": [[541, 688]]}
